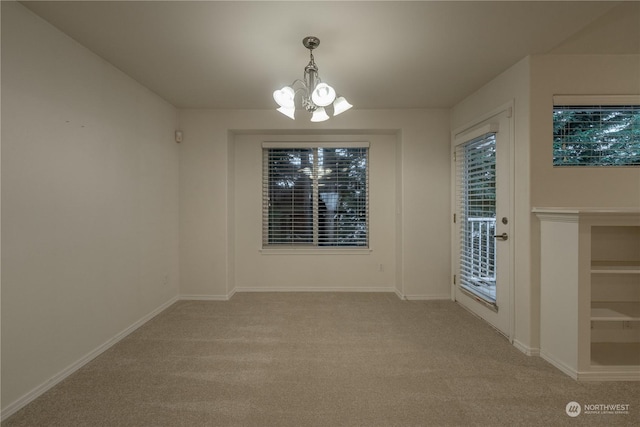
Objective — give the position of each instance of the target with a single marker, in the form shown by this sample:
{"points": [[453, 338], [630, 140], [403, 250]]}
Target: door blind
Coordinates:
{"points": [[476, 209]]}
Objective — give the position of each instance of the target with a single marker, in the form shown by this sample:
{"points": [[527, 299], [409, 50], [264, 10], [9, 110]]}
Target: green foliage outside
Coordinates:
{"points": [[596, 136], [346, 183], [319, 191]]}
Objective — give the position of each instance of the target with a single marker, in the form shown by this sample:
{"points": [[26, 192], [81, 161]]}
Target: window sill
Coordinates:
{"points": [[316, 251]]}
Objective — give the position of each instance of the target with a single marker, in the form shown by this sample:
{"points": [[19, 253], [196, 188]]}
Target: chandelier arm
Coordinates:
{"points": [[298, 81], [305, 93], [302, 88]]}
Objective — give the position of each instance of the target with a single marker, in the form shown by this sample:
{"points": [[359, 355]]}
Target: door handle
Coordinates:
{"points": [[503, 236]]}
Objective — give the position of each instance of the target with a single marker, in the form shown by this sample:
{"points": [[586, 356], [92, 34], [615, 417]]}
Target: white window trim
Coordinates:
{"points": [[467, 136], [329, 250], [560, 100], [318, 144]]}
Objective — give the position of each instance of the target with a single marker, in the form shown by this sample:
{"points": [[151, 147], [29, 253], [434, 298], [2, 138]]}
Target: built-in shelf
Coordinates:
{"points": [[616, 267], [615, 311], [590, 292]]}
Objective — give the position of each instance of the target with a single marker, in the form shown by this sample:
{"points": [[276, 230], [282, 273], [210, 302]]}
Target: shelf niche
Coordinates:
{"points": [[590, 292]]}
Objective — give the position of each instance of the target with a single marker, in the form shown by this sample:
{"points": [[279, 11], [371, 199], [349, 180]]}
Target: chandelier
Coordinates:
{"points": [[316, 95]]}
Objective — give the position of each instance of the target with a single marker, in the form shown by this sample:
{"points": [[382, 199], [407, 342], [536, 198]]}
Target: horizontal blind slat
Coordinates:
{"points": [[596, 135], [316, 195], [475, 201]]}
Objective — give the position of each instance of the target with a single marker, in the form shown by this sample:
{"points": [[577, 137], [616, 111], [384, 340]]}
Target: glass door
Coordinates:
{"points": [[482, 223], [478, 217]]}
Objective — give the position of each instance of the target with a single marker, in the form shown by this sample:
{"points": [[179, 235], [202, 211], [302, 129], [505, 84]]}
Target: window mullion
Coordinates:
{"points": [[316, 196]]}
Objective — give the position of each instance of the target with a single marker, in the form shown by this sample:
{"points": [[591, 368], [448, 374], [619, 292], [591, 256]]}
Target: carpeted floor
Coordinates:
{"points": [[320, 359]]}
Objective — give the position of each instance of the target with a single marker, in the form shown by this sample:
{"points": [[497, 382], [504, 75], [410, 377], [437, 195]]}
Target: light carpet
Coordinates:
{"points": [[320, 359]]}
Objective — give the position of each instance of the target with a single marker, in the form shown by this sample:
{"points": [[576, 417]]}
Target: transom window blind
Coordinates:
{"points": [[315, 195], [476, 201], [596, 135]]}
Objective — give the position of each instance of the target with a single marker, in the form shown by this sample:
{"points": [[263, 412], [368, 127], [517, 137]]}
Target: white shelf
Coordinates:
{"points": [[616, 354], [615, 311], [587, 210], [615, 267]]}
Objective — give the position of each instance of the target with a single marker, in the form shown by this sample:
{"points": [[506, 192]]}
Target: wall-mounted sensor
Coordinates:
{"points": [[178, 136]]}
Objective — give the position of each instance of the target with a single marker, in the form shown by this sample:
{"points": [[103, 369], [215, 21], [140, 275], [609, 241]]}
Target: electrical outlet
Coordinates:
{"points": [[165, 282]]}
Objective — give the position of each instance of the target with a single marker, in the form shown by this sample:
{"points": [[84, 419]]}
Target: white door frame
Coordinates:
{"points": [[504, 113]]}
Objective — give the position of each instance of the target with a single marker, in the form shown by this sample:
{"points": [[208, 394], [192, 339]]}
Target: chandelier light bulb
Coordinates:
{"points": [[288, 111], [323, 95], [319, 115], [285, 97], [340, 105]]}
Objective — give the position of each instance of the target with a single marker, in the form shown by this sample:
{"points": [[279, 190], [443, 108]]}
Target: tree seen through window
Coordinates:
{"points": [[596, 135], [316, 196]]}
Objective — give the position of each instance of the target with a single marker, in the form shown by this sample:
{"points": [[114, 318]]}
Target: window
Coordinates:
{"points": [[476, 186], [315, 195], [592, 134]]}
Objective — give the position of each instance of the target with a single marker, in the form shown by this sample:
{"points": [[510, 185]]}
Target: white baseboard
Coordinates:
{"points": [[560, 365], [20, 403], [529, 351], [389, 289], [435, 297], [192, 297], [611, 373], [596, 373], [317, 289], [206, 297]]}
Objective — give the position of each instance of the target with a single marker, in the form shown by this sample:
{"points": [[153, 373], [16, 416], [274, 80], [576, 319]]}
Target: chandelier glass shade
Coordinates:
{"points": [[314, 93]]}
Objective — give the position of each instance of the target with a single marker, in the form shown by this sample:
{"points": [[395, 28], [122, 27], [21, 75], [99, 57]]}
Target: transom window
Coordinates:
{"points": [[590, 134], [315, 195]]}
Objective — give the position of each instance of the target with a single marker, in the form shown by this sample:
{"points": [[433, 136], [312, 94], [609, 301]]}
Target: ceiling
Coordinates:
{"points": [[379, 54]]}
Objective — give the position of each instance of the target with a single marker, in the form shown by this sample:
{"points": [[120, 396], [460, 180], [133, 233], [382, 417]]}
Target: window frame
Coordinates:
{"points": [[578, 101], [313, 247]]}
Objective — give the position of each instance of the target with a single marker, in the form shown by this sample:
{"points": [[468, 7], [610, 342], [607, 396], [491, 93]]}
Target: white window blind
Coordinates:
{"points": [[476, 211], [315, 196], [596, 131]]}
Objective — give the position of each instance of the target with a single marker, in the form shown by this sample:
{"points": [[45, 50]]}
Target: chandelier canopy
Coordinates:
{"points": [[315, 94]]}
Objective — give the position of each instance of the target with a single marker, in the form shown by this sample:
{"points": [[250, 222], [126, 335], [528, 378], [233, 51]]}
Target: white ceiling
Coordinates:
{"points": [[379, 54]]}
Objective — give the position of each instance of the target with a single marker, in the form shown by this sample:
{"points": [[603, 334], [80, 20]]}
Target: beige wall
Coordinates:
{"points": [[325, 268], [579, 75], [89, 204], [219, 238]]}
